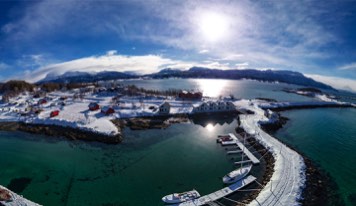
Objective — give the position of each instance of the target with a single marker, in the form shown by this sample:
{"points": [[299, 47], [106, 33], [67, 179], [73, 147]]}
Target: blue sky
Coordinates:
{"points": [[39, 38]]}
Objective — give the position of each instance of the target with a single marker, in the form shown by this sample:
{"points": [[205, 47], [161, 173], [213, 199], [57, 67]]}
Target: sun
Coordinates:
{"points": [[213, 26]]}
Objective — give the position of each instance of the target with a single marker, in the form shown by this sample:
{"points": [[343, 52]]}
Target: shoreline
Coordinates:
{"points": [[61, 131], [318, 185]]}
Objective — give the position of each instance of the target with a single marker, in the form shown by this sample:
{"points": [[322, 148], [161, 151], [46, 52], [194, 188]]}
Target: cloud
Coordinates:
{"points": [[242, 65], [289, 36], [203, 51], [112, 61], [351, 66], [111, 52], [4, 66], [336, 82]]}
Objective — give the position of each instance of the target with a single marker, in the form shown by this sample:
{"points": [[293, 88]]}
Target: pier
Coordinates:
{"points": [[206, 199], [235, 141]]}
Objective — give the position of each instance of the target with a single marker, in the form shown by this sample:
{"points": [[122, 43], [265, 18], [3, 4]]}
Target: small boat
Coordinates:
{"points": [[224, 139], [237, 174], [181, 197]]}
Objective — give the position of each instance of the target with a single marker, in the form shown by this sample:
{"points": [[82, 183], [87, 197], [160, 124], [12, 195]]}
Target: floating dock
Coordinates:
{"points": [[220, 193], [235, 141]]}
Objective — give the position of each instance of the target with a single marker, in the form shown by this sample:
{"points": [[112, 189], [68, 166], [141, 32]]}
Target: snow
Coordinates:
{"points": [[17, 200], [287, 181]]}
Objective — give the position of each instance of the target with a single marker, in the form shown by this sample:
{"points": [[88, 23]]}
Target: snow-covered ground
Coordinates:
{"points": [[287, 181], [16, 200], [74, 112]]}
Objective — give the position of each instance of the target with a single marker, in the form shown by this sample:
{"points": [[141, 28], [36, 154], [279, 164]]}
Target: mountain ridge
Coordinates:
{"points": [[285, 76]]}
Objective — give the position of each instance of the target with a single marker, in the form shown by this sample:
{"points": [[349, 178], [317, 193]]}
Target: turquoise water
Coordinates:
{"points": [[328, 137], [148, 165]]}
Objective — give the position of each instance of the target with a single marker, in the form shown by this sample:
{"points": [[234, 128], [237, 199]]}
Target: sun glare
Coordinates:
{"points": [[209, 127], [213, 26], [212, 87]]}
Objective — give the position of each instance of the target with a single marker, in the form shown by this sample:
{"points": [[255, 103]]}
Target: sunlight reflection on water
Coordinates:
{"points": [[212, 87]]}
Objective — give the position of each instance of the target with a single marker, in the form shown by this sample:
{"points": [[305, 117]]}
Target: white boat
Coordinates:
{"points": [[237, 174], [181, 197]]}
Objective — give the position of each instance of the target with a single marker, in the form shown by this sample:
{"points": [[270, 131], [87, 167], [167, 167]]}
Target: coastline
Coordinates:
{"points": [[61, 131], [318, 185]]}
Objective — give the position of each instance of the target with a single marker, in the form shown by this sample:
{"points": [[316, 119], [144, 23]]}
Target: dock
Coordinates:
{"points": [[220, 193], [242, 147]]}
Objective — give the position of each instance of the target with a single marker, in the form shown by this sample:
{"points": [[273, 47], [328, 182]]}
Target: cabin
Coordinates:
{"points": [[54, 113], [93, 106], [107, 110], [42, 101], [164, 108], [190, 95], [211, 106]]}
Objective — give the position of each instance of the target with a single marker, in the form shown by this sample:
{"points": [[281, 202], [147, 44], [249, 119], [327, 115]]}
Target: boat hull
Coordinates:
{"points": [[237, 175]]}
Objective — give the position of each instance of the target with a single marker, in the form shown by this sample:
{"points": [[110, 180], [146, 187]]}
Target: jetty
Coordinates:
{"points": [[236, 141], [206, 199]]}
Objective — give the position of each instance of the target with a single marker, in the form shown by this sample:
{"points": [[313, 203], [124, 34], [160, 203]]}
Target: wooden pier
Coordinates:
{"points": [[206, 199], [242, 147]]}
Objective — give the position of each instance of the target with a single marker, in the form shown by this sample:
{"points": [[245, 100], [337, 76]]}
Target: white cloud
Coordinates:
{"points": [[122, 63], [4, 66], [336, 82], [203, 51], [242, 65], [351, 66], [111, 52]]}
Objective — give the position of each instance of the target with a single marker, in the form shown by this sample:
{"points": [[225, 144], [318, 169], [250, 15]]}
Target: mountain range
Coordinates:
{"points": [[284, 76]]}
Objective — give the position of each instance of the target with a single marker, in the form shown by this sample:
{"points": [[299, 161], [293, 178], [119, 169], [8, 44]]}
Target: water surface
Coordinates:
{"points": [[328, 137]]}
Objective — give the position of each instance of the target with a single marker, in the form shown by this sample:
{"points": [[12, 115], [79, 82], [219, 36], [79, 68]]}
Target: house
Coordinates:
{"points": [[164, 108], [42, 101], [107, 110], [93, 106], [190, 95], [54, 113], [211, 106]]}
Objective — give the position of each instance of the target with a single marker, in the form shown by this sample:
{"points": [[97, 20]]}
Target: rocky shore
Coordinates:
{"points": [[142, 123], [60, 131], [318, 185]]}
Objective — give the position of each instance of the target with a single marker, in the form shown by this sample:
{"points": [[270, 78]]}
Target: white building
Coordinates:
{"points": [[210, 106], [164, 108]]}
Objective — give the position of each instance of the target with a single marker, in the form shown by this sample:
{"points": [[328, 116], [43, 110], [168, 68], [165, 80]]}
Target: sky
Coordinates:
{"points": [[44, 38]]}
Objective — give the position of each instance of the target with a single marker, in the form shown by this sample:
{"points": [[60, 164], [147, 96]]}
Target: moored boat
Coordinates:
{"points": [[223, 139], [237, 174], [181, 197]]}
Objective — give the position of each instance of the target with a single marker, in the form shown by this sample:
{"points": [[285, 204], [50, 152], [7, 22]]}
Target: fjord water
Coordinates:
{"points": [[148, 165], [247, 89], [327, 137]]}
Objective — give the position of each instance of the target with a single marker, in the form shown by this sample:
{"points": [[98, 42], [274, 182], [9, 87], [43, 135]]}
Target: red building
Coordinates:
{"points": [[107, 110], [190, 95], [54, 113], [93, 106]]}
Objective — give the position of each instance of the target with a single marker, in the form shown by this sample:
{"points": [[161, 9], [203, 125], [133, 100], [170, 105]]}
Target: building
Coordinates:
{"points": [[93, 106], [54, 113], [211, 106], [190, 95], [164, 108], [107, 110]]}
